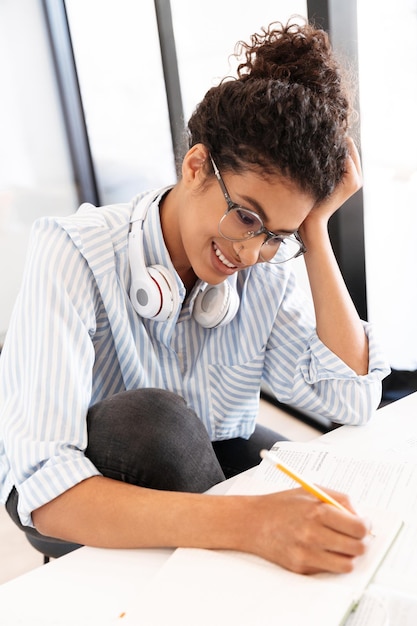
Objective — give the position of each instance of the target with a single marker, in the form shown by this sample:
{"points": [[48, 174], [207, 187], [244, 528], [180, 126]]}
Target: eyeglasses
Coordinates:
{"points": [[239, 224]]}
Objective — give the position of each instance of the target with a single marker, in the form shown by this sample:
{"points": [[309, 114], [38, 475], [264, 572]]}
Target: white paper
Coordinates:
{"points": [[370, 611], [221, 587], [207, 588], [376, 482], [401, 608], [379, 481]]}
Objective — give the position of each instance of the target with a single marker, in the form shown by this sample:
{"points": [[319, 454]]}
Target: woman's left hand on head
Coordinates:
{"points": [[349, 185]]}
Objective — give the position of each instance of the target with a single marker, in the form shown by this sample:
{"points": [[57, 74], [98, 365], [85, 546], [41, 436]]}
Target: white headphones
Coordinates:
{"points": [[154, 291]]}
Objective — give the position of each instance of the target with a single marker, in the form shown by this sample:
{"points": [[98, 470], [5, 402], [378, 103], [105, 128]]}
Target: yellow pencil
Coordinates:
{"points": [[310, 487]]}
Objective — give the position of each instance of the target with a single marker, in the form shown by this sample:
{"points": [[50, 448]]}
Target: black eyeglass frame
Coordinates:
{"points": [[269, 234]]}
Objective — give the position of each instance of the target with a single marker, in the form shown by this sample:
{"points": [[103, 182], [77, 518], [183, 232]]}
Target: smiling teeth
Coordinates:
{"points": [[223, 258]]}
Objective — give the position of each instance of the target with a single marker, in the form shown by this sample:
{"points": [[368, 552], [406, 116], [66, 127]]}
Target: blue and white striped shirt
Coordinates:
{"points": [[75, 339]]}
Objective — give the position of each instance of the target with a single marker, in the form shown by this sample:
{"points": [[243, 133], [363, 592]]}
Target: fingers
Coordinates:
{"points": [[347, 187], [345, 519], [354, 155], [340, 498], [353, 176], [325, 551], [357, 526], [307, 536], [333, 539], [344, 536]]}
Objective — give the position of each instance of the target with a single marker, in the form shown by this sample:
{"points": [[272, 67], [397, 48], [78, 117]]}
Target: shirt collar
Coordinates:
{"points": [[154, 247]]}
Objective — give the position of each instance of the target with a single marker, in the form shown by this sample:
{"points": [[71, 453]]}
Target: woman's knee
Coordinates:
{"points": [[151, 438]]}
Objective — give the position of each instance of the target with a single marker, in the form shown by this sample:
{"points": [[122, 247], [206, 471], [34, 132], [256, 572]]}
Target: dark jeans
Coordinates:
{"points": [[150, 438]]}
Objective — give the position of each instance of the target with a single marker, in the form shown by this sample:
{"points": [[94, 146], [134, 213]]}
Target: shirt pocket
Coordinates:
{"points": [[234, 395]]}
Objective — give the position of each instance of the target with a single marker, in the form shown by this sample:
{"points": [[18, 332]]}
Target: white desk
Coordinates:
{"points": [[391, 426], [94, 586]]}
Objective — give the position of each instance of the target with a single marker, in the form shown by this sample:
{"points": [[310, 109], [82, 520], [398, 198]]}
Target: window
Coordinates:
{"points": [[118, 60], [35, 175], [388, 95], [203, 52]]}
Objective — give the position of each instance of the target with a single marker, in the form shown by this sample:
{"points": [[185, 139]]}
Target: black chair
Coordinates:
{"points": [[50, 548]]}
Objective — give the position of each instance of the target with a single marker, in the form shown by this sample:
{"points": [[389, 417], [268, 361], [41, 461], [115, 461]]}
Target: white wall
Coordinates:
{"points": [[35, 172]]}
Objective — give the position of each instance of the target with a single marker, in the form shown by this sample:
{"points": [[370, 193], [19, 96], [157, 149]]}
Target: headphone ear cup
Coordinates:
{"points": [[154, 294], [216, 305], [153, 291]]}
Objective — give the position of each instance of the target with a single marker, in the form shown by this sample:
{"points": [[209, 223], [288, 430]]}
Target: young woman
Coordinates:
{"points": [[132, 366]]}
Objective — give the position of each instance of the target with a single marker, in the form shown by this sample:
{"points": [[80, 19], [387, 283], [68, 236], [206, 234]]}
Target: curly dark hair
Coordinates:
{"points": [[286, 113]]}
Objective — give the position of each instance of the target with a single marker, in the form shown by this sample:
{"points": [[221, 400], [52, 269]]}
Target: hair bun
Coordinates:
{"points": [[292, 53], [286, 112]]}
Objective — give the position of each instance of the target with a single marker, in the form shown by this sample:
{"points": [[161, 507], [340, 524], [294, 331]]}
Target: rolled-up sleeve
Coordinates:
{"points": [[46, 372], [302, 372]]}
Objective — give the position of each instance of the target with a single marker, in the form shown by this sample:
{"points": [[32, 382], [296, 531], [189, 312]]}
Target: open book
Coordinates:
{"points": [[204, 587]]}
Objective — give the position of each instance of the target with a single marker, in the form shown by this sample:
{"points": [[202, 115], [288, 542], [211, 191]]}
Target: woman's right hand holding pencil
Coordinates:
{"points": [[299, 532]]}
